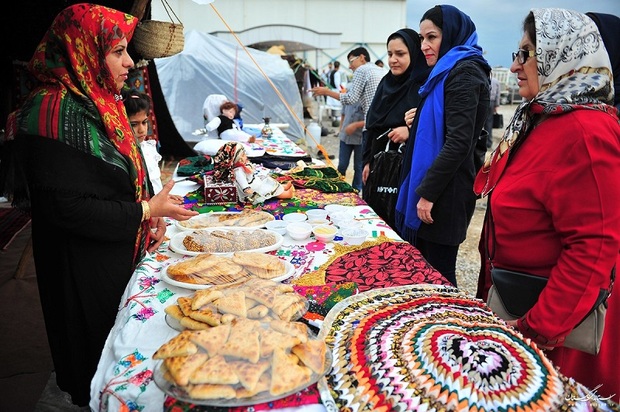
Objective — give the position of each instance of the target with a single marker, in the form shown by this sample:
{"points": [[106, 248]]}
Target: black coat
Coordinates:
{"points": [[449, 181], [84, 224]]}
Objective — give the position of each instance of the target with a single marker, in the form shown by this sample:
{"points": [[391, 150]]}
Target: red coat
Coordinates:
{"points": [[556, 213]]}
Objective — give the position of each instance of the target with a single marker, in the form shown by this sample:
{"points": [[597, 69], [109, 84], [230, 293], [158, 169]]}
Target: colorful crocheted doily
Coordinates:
{"points": [[318, 276], [376, 264], [425, 347]]}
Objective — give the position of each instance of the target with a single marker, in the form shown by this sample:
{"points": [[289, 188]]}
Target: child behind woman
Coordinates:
{"points": [[138, 107]]}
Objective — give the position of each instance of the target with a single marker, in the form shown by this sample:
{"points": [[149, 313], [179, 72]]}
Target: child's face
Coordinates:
{"points": [[230, 113], [140, 125]]}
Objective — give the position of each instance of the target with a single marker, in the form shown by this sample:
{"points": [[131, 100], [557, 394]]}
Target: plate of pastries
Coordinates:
{"points": [[206, 269], [249, 348], [225, 241]]}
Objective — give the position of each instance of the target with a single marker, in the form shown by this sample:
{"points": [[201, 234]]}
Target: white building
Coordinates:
{"points": [[317, 31], [509, 87]]}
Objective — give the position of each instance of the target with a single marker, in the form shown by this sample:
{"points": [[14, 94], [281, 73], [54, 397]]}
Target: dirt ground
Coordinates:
{"points": [[468, 261]]}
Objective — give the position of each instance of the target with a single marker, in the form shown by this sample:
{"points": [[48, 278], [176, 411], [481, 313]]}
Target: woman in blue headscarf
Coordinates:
{"points": [[436, 200]]}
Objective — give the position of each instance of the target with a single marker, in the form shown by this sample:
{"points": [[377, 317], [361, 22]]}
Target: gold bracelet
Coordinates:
{"points": [[146, 210]]}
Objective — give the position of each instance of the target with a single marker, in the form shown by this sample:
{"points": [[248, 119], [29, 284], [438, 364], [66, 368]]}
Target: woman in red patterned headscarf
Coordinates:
{"points": [[77, 168]]}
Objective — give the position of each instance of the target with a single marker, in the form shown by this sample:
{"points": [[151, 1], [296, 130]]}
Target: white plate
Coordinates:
{"points": [[209, 221], [290, 271], [176, 242]]}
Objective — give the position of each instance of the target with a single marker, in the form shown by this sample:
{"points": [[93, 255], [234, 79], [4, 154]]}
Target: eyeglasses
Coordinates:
{"points": [[353, 59], [521, 55]]}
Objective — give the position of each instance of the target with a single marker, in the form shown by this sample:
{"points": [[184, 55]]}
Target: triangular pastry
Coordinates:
{"points": [[182, 367], [212, 339], [206, 315], [286, 375], [205, 296], [180, 345], [296, 329], [249, 373], [193, 324], [243, 346], [271, 339], [210, 391], [263, 385], [232, 303], [216, 371], [312, 354]]}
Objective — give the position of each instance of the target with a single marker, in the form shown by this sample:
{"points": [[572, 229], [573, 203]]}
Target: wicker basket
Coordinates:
{"points": [[154, 39]]}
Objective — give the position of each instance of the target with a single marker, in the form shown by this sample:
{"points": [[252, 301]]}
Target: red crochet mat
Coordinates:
{"points": [[384, 265]]}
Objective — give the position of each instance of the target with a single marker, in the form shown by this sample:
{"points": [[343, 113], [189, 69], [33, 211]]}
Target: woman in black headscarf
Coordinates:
{"points": [[609, 26], [396, 94]]}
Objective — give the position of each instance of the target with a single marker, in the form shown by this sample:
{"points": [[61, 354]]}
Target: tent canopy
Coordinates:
{"points": [[209, 65]]}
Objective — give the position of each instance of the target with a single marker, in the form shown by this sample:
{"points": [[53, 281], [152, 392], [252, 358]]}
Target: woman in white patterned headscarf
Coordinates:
{"points": [[553, 179]]}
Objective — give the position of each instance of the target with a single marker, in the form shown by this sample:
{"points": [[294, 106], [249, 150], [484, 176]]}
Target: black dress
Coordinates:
{"points": [[84, 224]]}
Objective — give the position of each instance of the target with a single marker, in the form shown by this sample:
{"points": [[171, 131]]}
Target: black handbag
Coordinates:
{"points": [[498, 121], [514, 293], [381, 188]]}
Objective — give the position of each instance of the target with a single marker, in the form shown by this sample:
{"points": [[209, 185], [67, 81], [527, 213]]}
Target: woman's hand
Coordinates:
{"points": [[158, 232], [399, 135], [161, 206], [424, 211], [515, 325], [409, 116], [365, 172]]}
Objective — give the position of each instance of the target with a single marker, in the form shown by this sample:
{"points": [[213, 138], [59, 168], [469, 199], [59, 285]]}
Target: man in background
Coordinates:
{"points": [[362, 87], [493, 105], [351, 142], [334, 81]]}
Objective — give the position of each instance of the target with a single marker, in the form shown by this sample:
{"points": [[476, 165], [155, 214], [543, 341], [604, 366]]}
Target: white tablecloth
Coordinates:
{"points": [[125, 371]]}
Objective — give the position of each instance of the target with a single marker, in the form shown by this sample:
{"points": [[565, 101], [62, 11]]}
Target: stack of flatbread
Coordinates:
{"points": [[258, 299], [260, 264], [209, 269], [245, 218], [243, 358]]}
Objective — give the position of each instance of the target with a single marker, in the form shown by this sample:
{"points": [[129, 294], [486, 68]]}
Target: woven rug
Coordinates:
{"points": [[12, 221]]}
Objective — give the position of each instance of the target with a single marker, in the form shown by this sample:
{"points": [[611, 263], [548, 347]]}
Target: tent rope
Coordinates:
{"points": [[273, 86]]}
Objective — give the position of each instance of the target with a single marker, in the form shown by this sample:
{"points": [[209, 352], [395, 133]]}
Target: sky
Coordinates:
{"points": [[499, 22]]}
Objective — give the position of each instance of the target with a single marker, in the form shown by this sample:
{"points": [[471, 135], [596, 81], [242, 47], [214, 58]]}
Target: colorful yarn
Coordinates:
{"points": [[427, 347]]}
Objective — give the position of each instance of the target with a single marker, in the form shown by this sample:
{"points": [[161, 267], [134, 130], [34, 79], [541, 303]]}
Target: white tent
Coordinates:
{"points": [[209, 65]]}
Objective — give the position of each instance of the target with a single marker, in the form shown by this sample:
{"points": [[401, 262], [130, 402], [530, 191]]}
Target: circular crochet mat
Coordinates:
{"points": [[426, 347]]}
